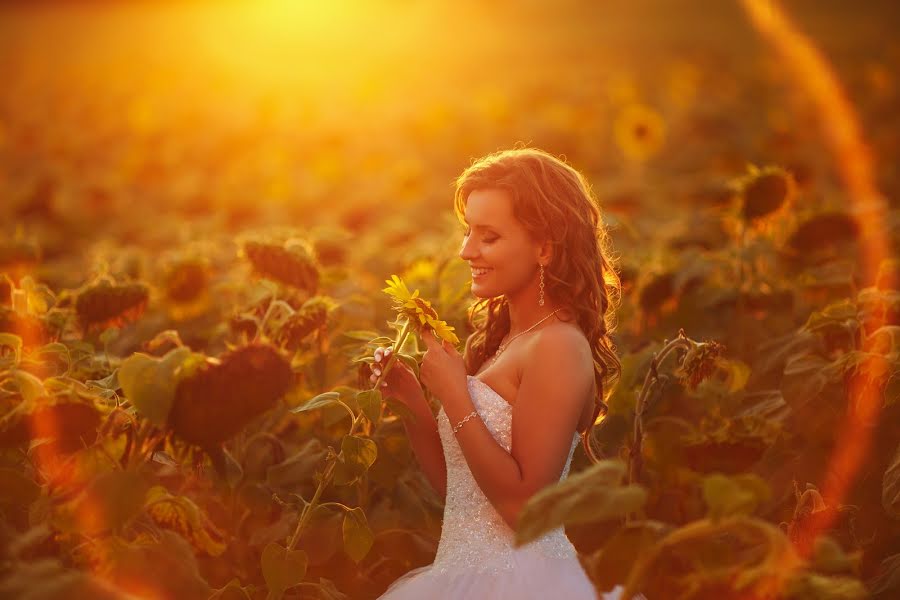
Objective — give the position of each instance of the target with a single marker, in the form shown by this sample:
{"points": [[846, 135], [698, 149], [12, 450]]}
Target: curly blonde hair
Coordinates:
{"points": [[553, 201]]}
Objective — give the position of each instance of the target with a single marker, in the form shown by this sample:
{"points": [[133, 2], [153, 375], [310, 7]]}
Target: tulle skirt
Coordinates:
{"points": [[532, 577]]}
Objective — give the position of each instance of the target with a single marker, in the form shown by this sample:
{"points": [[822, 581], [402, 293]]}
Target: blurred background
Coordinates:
{"points": [[356, 111], [745, 158]]}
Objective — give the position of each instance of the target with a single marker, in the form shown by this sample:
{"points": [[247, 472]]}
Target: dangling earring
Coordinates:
{"points": [[541, 297]]}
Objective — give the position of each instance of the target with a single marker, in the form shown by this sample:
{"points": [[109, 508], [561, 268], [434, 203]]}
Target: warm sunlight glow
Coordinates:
{"points": [[853, 161]]}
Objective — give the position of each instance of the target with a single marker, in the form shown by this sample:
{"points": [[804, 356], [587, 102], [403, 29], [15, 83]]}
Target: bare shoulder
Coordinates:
{"points": [[560, 350], [561, 337]]}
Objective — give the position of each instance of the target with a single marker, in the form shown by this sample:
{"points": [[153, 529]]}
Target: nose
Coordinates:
{"points": [[468, 249]]}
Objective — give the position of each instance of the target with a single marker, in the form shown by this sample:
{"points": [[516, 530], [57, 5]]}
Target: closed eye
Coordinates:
{"points": [[484, 240]]}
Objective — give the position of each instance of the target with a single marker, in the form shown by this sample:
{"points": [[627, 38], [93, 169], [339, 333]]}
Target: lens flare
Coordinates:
{"points": [[854, 163]]}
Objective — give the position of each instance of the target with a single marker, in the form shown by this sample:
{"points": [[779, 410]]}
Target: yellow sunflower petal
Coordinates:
{"points": [[397, 289], [443, 331]]}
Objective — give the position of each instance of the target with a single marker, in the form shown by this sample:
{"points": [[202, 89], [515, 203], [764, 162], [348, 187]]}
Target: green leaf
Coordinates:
{"points": [[885, 340], [828, 557], [150, 382], [361, 334], [812, 586], [327, 591], [370, 403], [838, 313], [886, 584], [400, 409], [181, 514], [297, 469], [325, 399], [30, 386], [357, 455], [612, 564], [358, 538], [283, 568], [57, 348], [594, 494], [737, 495], [410, 362], [166, 567], [892, 389]]}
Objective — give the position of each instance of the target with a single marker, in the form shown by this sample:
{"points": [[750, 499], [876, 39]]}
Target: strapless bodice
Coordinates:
{"points": [[474, 535]]}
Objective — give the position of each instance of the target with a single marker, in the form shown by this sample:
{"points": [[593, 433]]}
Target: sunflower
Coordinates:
{"points": [[640, 132], [418, 310], [699, 363]]}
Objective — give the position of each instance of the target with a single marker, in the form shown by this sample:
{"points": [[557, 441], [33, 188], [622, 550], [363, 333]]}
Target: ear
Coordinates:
{"points": [[545, 252]]}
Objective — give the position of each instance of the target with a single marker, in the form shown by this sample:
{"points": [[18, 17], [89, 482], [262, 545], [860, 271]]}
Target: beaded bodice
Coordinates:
{"points": [[474, 535]]}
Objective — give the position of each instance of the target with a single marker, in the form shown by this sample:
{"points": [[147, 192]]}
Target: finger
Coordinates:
{"points": [[429, 339]]}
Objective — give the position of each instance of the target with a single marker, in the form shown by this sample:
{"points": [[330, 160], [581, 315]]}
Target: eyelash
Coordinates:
{"points": [[490, 241]]}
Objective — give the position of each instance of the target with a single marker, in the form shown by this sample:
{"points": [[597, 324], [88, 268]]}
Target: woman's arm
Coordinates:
{"points": [[557, 378], [426, 442]]}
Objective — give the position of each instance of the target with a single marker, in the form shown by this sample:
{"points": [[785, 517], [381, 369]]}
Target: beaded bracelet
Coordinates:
{"points": [[463, 422]]}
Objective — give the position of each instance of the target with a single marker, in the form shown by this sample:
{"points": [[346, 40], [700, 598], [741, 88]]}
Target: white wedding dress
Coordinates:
{"points": [[475, 556]]}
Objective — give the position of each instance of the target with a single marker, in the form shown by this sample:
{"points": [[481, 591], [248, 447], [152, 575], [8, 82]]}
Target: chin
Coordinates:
{"points": [[481, 293]]}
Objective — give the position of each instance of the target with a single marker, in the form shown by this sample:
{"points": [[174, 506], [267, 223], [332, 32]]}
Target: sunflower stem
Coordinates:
{"points": [[635, 462], [307, 512], [401, 339]]}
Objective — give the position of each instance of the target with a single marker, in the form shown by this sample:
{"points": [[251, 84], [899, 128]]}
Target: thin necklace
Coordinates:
{"points": [[503, 346]]}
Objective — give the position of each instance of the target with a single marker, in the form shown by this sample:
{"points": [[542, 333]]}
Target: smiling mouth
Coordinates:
{"points": [[476, 273]]}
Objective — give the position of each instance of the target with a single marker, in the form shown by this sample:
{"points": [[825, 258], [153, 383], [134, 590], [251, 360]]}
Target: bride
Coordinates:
{"points": [[528, 386]]}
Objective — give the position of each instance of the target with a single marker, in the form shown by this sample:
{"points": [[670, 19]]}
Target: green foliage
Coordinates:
{"points": [[591, 495], [738, 495], [150, 382], [358, 537], [282, 568], [357, 455]]}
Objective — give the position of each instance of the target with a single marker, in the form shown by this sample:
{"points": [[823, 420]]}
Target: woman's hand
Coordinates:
{"points": [[443, 368], [400, 382]]}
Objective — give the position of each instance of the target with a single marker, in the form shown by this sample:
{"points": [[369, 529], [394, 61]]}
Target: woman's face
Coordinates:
{"points": [[496, 245]]}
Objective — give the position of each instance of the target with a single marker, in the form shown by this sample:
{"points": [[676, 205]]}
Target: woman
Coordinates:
{"points": [[528, 387]]}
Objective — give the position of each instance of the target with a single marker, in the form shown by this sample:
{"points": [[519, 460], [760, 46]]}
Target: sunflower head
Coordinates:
{"points": [[640, 132], [418, 310], [700, 362]]}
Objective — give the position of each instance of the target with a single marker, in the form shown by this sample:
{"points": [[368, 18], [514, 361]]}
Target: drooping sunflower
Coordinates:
{"points": [[418, 310]]}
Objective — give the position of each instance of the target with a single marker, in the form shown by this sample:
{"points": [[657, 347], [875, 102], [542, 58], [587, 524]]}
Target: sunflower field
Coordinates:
{"points": [[201, 204]]}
